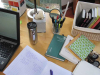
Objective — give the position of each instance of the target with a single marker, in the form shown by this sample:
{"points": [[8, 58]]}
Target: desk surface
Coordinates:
{"points": [[44, 40]]}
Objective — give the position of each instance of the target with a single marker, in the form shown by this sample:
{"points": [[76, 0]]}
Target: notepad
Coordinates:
{"points": [[66, 53], [30, 62], [82, 47]]}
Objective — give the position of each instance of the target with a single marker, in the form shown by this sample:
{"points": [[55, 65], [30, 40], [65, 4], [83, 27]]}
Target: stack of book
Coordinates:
{"points": [[72, 49], [90, 19]]}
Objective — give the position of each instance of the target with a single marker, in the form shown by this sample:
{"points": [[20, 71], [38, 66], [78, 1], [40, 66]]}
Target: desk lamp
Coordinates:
{"points": [[35, 9], [37, 15]]}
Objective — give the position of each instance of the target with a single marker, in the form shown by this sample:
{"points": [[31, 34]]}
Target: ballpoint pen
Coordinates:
{"points": [[51, 72]]}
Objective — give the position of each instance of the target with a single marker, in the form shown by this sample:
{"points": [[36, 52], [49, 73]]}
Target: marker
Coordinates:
{"points": [[62, 21], [51, 72]]}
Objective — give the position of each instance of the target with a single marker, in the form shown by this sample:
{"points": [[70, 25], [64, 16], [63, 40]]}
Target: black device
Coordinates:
{"points": [[9, 35], [92, 59]]}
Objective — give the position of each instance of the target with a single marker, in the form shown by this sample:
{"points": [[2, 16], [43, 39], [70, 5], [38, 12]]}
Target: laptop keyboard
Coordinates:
{"points": [[5, 49]]}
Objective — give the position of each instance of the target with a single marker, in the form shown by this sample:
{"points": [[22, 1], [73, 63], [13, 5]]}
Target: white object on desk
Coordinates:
{"points": [[39, 15], [31, 12], [18, 6], [30, 62], [66, 54], [85, 68], [41, 24]]}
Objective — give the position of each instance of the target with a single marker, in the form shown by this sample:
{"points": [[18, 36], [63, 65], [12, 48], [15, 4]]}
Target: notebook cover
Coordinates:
{"points": [[82, 47], [80, 18], [55, 47], [67, 46]]}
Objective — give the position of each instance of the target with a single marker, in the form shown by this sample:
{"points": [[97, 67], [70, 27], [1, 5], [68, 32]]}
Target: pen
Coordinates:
{"points": [[51, 72]]}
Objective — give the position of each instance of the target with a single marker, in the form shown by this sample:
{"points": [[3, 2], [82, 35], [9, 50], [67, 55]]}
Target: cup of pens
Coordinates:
{"points": [[57, 19], [55, 28], [56, 25]]}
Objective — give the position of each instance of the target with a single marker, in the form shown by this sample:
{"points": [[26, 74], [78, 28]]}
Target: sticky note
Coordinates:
{"points": [[14, 9]]}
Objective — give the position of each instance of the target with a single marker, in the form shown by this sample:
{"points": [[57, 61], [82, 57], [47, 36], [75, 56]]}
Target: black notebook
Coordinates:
{"points": [[81, 17], [90, 17]]}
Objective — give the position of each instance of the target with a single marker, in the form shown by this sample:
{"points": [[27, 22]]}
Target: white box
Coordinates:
{"points": [[18, 6], [41, 24], [91, 34]]}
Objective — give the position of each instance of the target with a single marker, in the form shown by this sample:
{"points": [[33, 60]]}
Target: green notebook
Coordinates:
{"points": [[55, 47], [82, 47]]}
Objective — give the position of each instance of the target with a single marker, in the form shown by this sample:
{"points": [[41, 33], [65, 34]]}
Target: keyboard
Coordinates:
{"points": [[5, 49]]}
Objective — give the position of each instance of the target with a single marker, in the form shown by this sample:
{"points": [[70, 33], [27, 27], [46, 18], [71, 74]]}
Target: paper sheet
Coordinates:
{"points": [[66, 53], [57, 70], [28, 62]]}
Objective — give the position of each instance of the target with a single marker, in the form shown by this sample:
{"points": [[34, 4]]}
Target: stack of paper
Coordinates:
{"points": [[66, 53], [76, 50]]}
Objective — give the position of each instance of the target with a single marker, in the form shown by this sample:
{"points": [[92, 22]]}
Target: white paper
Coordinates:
{"points": [[85, 68], [28, 62], [66, 54], [57, 70]]}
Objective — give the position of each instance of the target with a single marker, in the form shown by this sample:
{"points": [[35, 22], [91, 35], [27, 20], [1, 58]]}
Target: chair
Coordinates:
{"points": [[43, 4]]}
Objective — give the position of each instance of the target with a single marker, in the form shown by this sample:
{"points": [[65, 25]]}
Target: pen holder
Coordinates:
{"points": [[55, 29]]}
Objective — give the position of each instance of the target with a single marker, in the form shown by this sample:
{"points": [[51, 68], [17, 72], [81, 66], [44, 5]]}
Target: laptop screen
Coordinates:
{"points": [[8, 25]]}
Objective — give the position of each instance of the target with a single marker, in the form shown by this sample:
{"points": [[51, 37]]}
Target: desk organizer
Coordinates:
{"points": [[91, 34]]}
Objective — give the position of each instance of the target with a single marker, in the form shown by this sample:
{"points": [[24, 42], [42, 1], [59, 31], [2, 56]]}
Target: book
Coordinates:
{"points": [[55, 47], [97, 26], [80, 18], [30, 62], [98, 16], [85, 68], [85, 20], [82, 47], [67, 47], [95, 23], [65, 53], [94, 15], [90, 17]]}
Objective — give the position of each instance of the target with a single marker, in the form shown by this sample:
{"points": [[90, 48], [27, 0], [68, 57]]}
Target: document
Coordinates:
{"points": [[30, 62]]}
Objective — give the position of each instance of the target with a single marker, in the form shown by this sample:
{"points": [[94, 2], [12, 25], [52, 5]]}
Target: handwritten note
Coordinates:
{"points": [[28, 62]]}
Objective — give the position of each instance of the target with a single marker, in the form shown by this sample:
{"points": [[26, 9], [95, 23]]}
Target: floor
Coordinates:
{"points": [[69, 13]]}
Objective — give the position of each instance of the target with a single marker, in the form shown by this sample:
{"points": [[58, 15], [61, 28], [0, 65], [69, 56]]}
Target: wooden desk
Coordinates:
{"points": [[44, 40]]}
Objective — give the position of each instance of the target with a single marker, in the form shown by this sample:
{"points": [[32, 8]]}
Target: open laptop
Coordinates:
{"points": [[9, 35]]}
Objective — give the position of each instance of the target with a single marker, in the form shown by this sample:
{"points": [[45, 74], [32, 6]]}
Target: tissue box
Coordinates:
{"points": [[18, 6], [91, 34], [41, 24]]}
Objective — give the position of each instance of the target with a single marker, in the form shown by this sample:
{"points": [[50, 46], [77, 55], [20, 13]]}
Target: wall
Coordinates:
{"points": [[64, 2]]}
